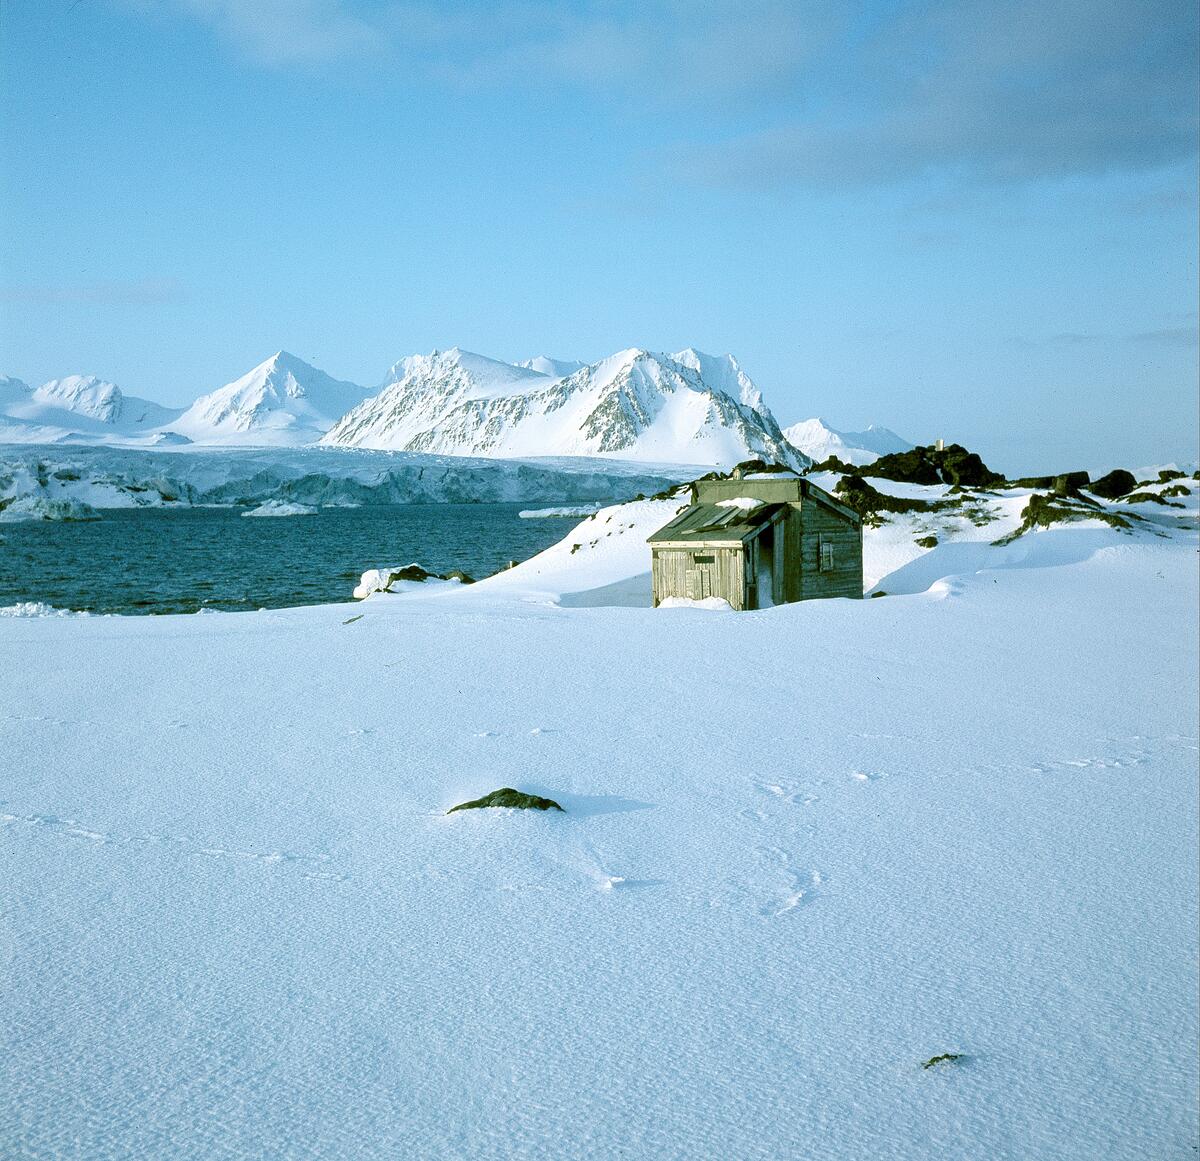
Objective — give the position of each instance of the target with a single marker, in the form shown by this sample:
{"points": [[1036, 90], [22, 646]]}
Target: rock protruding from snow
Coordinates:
{"points": [[816, 439], [398, 580], [284, 401], [635, 405]]}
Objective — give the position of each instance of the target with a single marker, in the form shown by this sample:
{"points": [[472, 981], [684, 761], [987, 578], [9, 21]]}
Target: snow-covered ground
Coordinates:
{"points": [[804, 851]]}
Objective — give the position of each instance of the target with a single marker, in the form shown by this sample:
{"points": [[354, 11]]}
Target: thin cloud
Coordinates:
{"points": [[278, 33], [112, 292], [1187, 336], [990, 92], [660, 49]]}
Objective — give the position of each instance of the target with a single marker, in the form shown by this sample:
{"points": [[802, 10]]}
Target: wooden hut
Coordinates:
{"points": [[757, 540]]}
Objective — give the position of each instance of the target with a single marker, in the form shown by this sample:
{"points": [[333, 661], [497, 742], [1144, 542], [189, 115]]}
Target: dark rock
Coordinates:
{"points": [[944, 1058], [1069, 483], [1116, 483], [458, 575], [1176, 490], [927, 542], [507, 797], [868, 501], [410, 572], [757, 466], [933, 465], [1169, 474]]}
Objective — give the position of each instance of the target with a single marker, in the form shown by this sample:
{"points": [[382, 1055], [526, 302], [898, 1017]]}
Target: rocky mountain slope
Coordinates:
{"points": [[636, 405]]}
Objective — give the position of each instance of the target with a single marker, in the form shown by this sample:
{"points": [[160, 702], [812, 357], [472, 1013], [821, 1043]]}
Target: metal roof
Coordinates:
{"points": [[715, 523]]}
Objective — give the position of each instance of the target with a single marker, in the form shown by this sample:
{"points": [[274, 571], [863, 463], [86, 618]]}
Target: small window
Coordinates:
{"points": [[826, 557], [705, 559]]}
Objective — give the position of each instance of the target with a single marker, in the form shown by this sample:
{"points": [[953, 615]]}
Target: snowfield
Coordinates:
{"points": [[805, 850]]}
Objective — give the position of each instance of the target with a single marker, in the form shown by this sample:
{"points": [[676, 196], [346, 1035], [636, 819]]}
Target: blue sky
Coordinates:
{"points": [[973, 219]]}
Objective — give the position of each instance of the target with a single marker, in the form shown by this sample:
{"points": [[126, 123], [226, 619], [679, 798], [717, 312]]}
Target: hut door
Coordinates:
{"points": [[701, 577]]}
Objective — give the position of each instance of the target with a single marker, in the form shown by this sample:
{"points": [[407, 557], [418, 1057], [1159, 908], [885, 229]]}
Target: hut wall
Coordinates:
{"points": [[717, 572], [821, 526]]}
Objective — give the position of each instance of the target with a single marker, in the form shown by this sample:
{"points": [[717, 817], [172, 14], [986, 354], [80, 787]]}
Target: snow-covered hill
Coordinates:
{"points": [[819, 441], [635, 405], [284, 401], [79, 408], [956, 824]]}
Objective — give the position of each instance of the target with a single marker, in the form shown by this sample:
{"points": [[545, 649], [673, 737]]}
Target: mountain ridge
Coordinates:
{"points": [[636, 404]]}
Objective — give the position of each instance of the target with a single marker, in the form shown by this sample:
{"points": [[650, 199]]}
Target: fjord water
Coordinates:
{"points": [[150, 560]]}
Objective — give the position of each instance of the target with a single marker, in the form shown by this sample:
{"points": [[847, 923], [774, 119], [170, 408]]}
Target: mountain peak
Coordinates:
{"points": [[817, 439], [636, 404], [86, 394], [283, 401]]}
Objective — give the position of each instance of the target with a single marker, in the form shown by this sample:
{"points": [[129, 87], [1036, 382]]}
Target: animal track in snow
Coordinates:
{"points": [[799, 886], [68, 828]]}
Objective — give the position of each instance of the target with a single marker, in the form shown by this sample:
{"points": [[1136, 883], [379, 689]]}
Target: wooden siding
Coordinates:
{"points": [[676, 572], [819, 525], [808, 529]]}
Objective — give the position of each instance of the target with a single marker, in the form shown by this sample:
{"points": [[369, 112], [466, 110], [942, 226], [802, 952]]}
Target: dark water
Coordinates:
{"points": [[147, 560]]}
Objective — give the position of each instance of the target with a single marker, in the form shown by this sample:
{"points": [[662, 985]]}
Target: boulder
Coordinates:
{"points": [[1069, 483], [1117, 483], [507, 797]]}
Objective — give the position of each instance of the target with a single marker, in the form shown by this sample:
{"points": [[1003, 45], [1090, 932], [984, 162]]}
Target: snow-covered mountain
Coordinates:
{"points": [[819, 441], [635, 405], [284, 401], [556, 368], [13, 390], [78, 408]]}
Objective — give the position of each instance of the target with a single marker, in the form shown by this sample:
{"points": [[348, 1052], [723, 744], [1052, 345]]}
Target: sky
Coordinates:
{"points": [[973, 219]]}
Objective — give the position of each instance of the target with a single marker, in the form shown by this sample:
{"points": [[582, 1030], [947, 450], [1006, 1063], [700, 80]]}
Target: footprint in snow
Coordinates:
{"points": [[800, 887], [867, 775]]}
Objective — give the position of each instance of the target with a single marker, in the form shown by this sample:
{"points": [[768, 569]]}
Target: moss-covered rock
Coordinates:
{"points": [[1176, 490], [1169, 474], [944, 1058], [868, 501], [508, 798], [933, 465], [1069, 483], [927, 542], [922, 465], [1117, 483], [1045, 511], [1148, 498]]}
